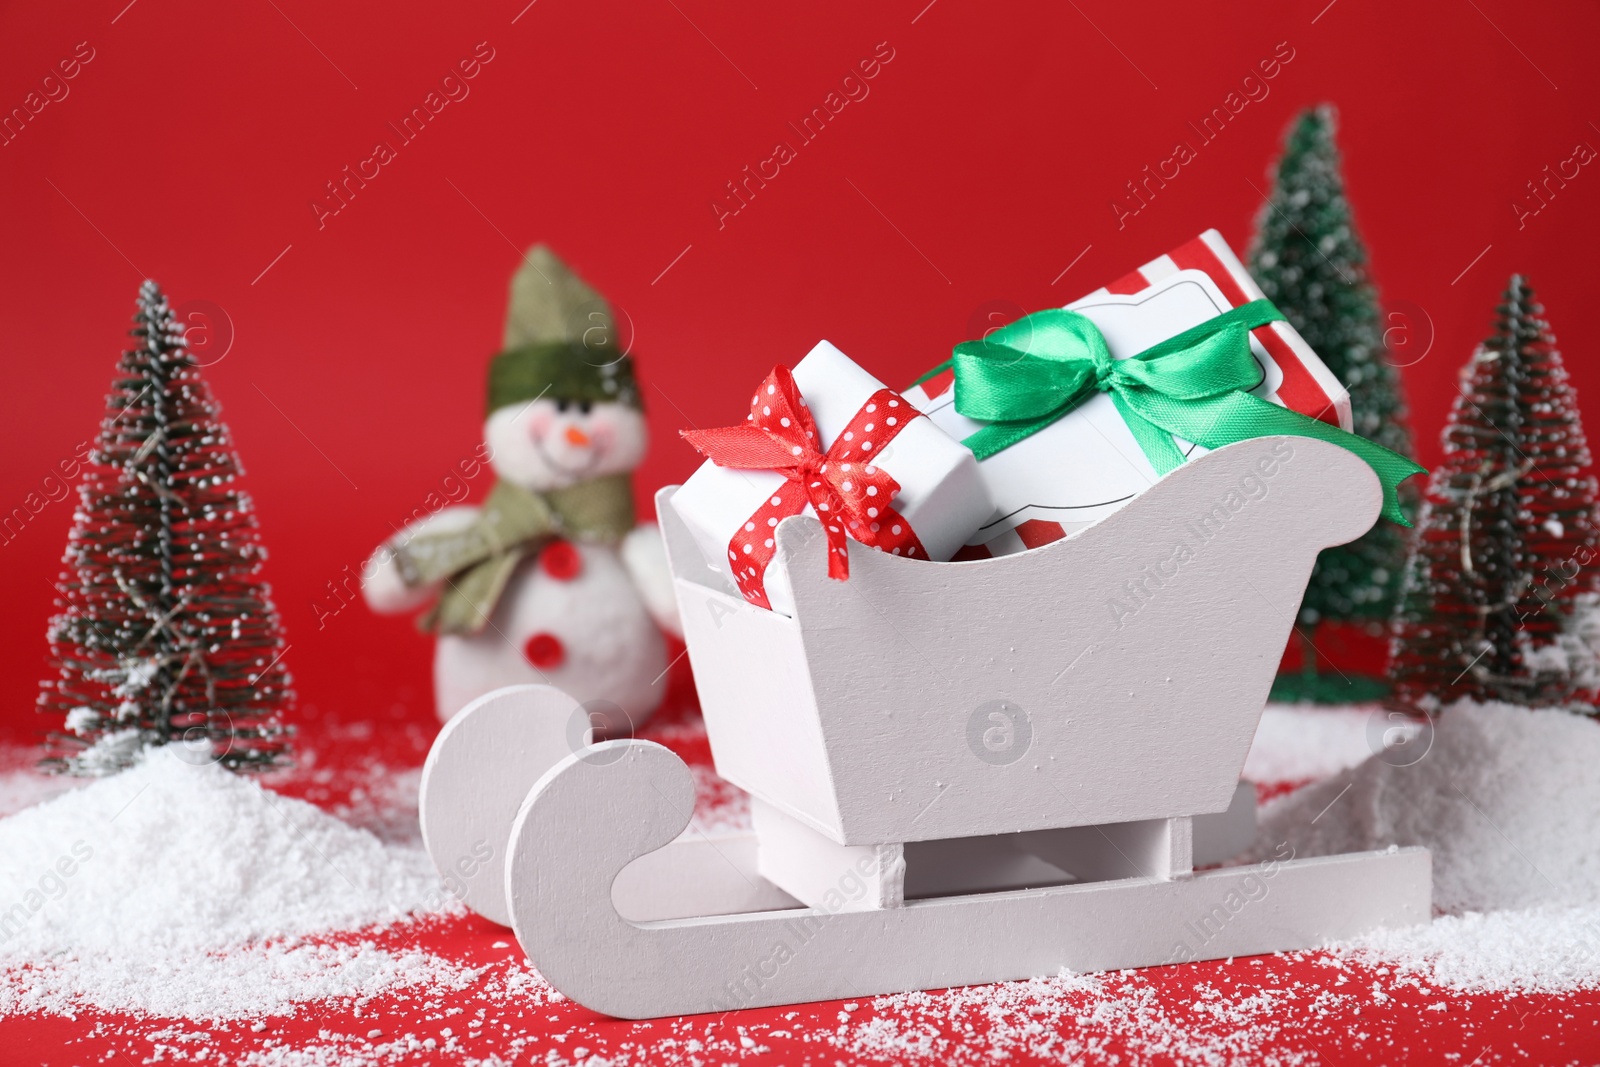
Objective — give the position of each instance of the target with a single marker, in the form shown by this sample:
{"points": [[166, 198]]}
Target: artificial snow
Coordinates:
{"points": [[1506, 800], [196, 895], [25, 786], [1296, 744], [179, 889], [111, 752], [1067, 1018], [1536, 950]]}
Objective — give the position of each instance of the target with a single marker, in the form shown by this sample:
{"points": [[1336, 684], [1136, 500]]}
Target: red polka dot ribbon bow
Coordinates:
{"points": [[851, 495]]}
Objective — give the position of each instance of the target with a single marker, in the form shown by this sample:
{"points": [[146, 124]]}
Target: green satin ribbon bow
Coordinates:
{"points": [[1025, 376]]}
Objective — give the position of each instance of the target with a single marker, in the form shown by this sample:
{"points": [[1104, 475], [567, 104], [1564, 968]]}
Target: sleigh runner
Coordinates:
{"points": [[960, 773]]}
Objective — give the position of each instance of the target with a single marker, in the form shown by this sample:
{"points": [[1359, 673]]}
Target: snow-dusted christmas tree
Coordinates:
{"points": [[166, 633], [1312, 264], [1498, 601]]}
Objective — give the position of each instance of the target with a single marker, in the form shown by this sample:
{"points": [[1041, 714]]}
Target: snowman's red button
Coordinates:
{"points": [[561, 561], [544, 651]]}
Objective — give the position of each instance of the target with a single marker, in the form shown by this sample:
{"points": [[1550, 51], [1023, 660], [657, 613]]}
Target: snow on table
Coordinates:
{"points": [[445, 987]]}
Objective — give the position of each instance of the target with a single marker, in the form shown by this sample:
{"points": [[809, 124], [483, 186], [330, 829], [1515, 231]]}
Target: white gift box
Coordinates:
{"points": [[1087, 465], [942, 495]]}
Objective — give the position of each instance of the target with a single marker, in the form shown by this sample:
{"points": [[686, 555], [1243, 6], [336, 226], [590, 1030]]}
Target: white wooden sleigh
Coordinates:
{"points": [[961, 773]]}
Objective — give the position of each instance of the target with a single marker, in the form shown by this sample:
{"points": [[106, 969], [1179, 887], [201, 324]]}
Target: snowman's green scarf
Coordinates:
{"points": [[476, 562]]}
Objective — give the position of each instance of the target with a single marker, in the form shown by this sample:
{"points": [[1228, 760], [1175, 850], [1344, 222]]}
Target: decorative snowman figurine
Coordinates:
{"points": [[550, 580]]}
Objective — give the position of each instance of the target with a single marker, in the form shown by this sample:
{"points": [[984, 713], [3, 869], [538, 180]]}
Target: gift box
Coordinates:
{"points": [[1090, 462], [829, 441]]}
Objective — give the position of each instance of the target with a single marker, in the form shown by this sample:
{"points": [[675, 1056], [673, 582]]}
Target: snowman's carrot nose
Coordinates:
{"points": [[577, 437]]}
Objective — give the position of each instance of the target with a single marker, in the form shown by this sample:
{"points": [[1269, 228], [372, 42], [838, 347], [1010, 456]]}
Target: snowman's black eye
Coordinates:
{"points": [[561, 405], [584, 407]]}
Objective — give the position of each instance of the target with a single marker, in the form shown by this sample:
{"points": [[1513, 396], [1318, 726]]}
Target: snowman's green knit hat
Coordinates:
{"points": [[561, 341]]}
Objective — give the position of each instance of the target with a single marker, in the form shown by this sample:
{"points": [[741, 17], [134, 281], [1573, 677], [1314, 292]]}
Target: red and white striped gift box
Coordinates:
{"points": [[1087, 465]]}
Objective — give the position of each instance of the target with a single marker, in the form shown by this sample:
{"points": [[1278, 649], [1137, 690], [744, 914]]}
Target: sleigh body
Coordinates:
{"points": [[959, 772]]}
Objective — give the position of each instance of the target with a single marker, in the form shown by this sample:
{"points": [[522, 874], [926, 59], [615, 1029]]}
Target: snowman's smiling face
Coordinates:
{"points": [[550, 444]]}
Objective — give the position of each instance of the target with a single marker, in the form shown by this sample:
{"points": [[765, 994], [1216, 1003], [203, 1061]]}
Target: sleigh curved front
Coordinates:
{"points": [[1115, 675]]}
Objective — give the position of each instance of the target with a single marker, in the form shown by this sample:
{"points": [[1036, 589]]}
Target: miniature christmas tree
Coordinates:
{"points": [[1497, 599], [1311, 263], [166, 633]]}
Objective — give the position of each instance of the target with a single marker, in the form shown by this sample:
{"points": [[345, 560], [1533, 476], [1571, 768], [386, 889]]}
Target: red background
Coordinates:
{"points": [[980, 166]]}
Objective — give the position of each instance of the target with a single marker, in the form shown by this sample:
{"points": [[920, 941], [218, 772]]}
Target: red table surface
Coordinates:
{"points": [[1406, 1029], [1294, 1009], [976, 178]]}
